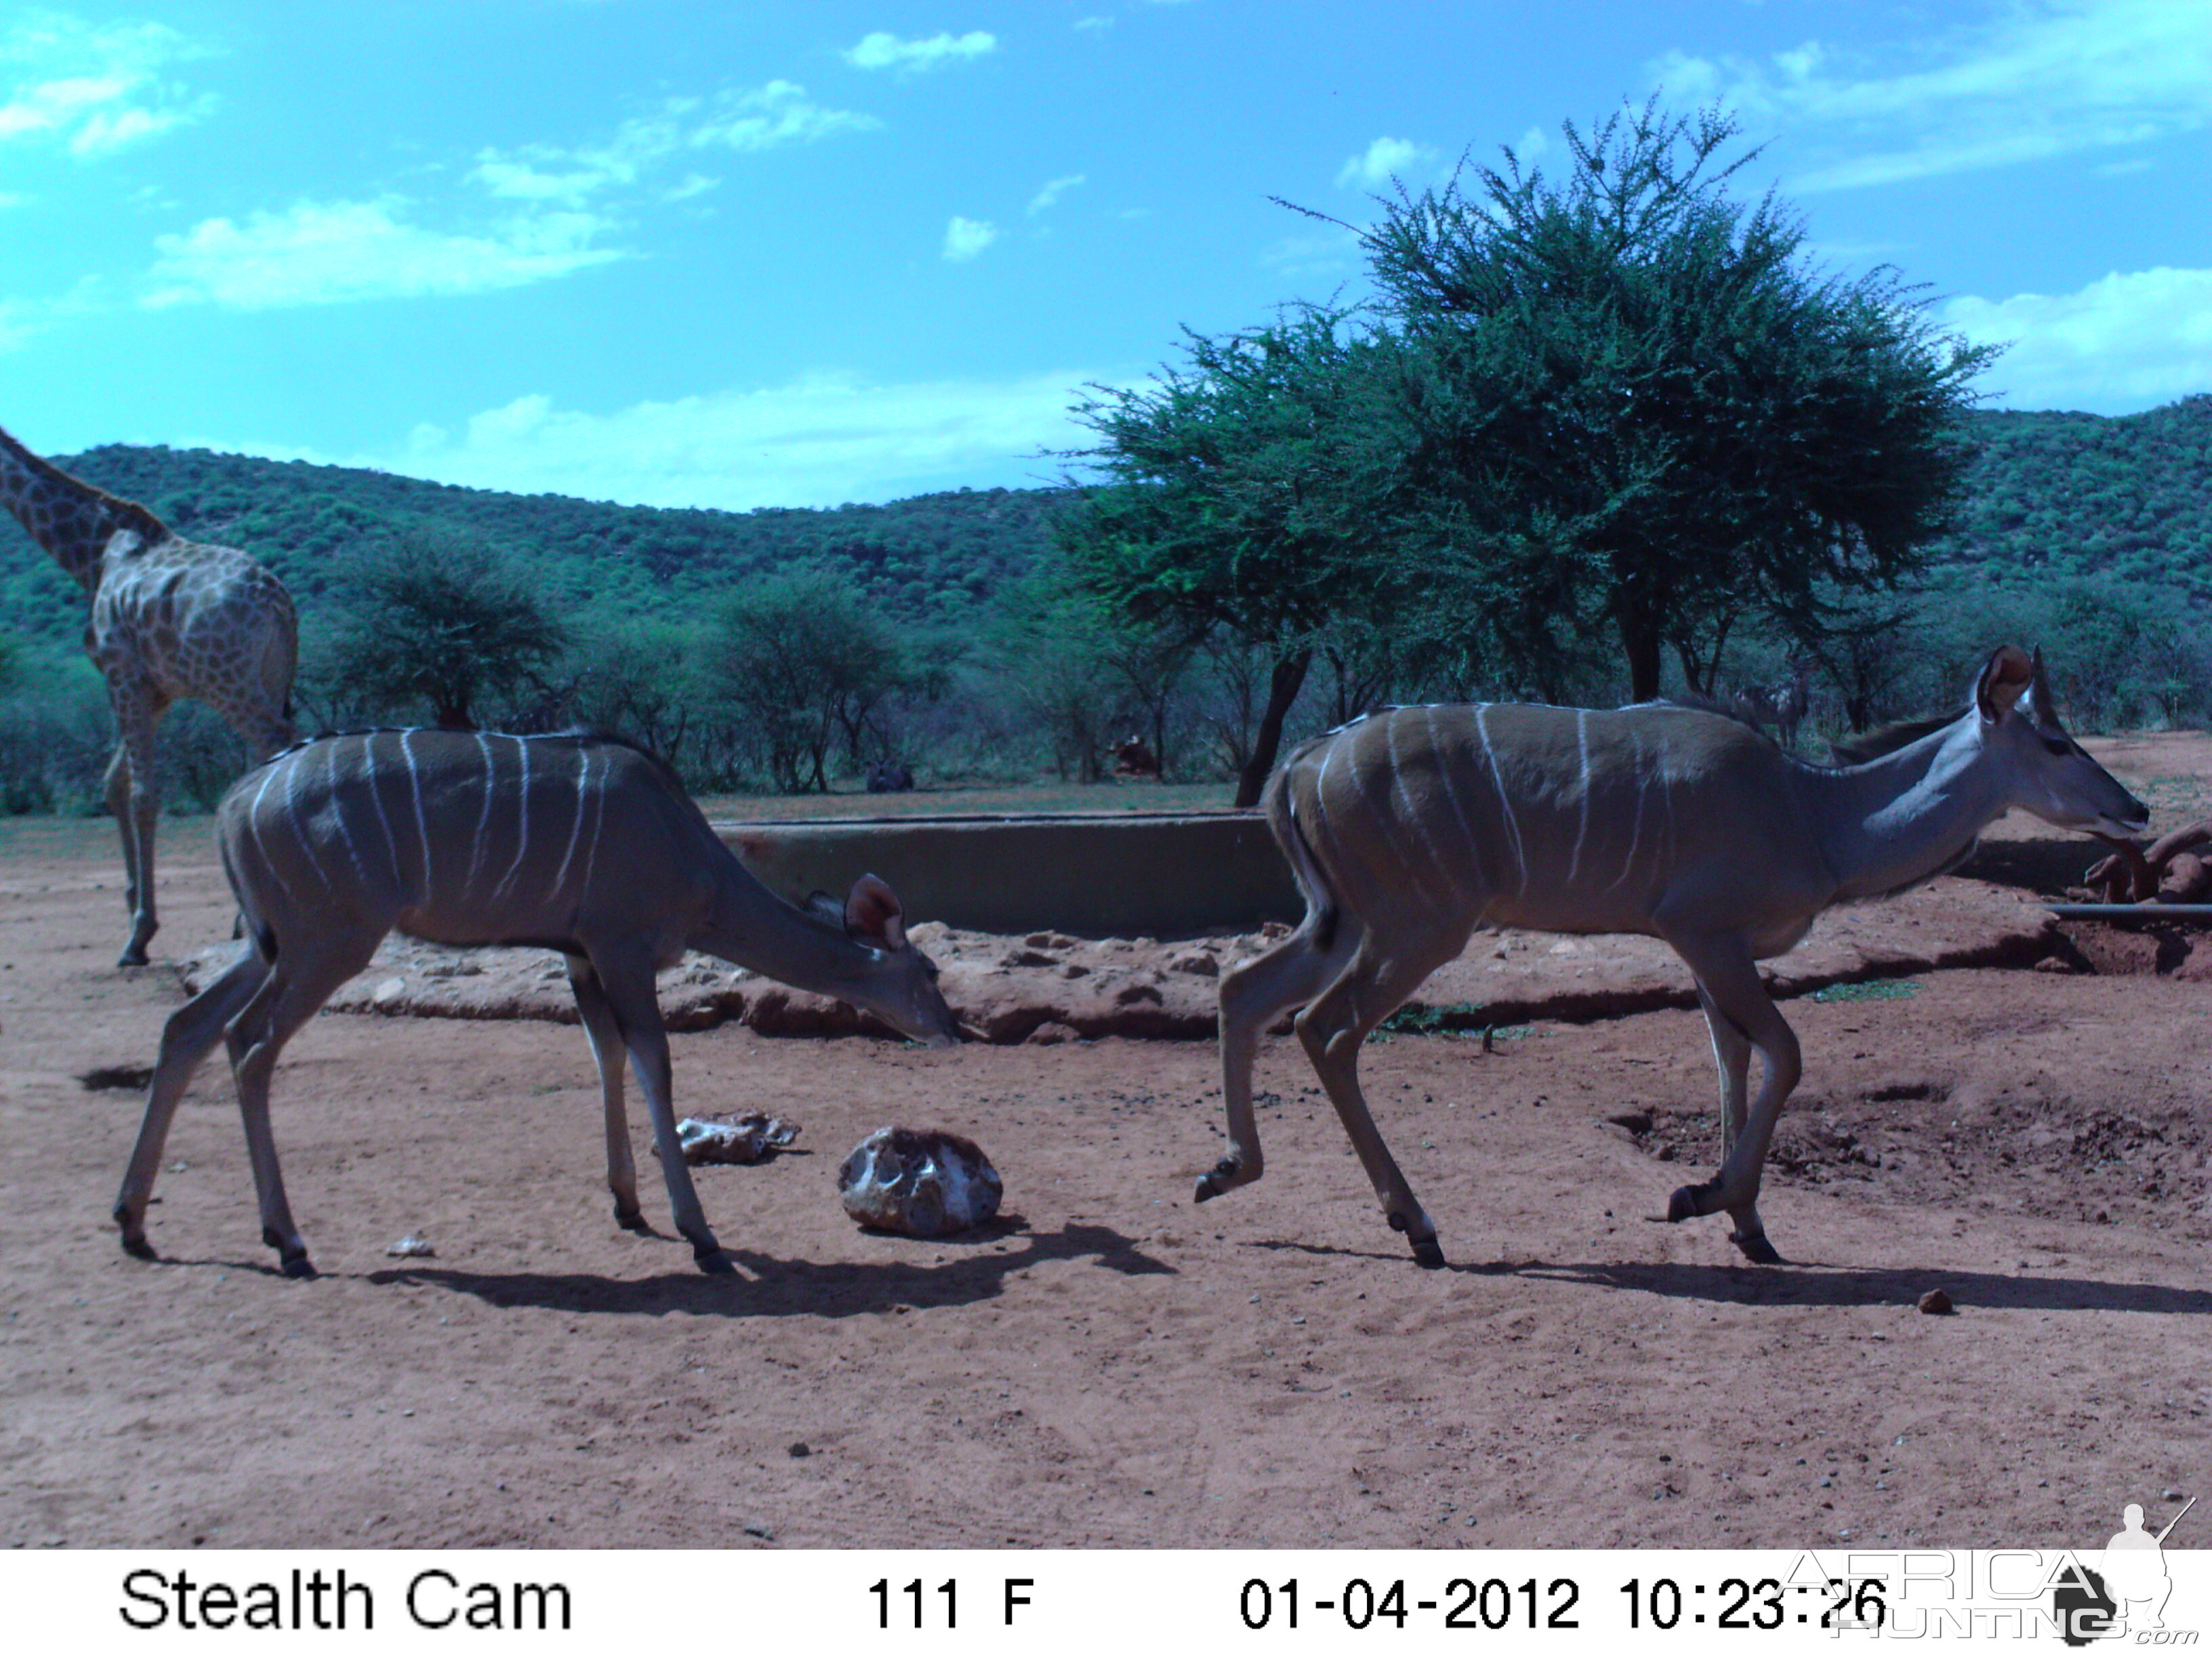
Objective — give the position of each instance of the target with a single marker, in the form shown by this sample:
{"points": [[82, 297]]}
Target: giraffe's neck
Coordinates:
{"points": [[68, 518]]}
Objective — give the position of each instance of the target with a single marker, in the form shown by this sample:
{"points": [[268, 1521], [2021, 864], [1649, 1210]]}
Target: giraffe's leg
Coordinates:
{"points": [[192, 1031], [605, 1033], [1253, 993], [134, 796], [625, 974], [1727, 975], [1334, 1026], [304, 975]]}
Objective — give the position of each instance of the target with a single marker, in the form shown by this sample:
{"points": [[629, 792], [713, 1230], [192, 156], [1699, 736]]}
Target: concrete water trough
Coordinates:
{"points": [[1117, 875]]}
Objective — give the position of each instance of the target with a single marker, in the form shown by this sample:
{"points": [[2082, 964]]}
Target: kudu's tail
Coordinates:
{"points": [[1313, 882]]}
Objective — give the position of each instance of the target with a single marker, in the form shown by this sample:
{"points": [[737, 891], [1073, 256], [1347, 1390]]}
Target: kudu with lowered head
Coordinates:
{"points": [[578, 844], [1407, 829]]}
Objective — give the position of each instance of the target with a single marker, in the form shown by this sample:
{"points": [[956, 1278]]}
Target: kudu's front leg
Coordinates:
{"points": [[605, 1034], [629, 986], [1742, 1017]]}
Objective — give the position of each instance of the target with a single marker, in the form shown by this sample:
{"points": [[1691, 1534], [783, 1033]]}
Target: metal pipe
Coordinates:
{"points": [[2146, 912]]}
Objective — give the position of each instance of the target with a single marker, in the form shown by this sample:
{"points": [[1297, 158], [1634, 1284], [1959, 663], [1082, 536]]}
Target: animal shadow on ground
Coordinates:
{"points": [[778, 1287], [1809, 1286]]}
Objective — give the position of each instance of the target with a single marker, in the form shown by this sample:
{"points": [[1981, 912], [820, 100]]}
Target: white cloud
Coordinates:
{"points": [[1053, 191], [739, 118], [780, 112], [966, 238], [2126, 342], [822, 439], [1382, 160], [92, 88], [882, 51], [2035, 83], [1533, 146], [1093, 25], [323, 253]]}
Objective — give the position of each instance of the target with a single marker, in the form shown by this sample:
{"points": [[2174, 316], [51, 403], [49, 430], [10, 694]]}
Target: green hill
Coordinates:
{"points": [[927, 558]]}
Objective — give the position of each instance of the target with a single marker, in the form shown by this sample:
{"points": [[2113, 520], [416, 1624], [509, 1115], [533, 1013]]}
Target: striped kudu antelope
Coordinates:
{"points": [[581, 844], [1408, 828]]}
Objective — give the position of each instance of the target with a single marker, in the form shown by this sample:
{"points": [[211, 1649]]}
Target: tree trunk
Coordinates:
{"points": [[1283, 684], [1639, 636]]}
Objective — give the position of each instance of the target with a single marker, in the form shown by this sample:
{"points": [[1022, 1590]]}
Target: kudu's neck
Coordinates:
{"points": [[786, 942], [1897, 820]]}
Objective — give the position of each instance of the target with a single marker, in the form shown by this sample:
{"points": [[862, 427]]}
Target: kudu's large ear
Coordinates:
{"points": [[2010, 672], [873, 913]]}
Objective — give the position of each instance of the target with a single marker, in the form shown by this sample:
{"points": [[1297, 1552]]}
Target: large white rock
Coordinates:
{"points": [[922, 1182]]}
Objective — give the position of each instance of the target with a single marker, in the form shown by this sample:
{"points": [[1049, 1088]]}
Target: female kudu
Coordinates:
{"points": [[582, 844], [1408, 828]]}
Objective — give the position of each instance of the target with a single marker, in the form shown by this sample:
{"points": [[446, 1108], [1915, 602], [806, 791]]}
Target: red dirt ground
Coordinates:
{"points": [[1114, 1366]]}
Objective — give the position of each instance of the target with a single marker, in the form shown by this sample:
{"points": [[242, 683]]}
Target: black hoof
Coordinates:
{"points": [[1217, 1180], [1428, 1253], [1756, 1249], [631, 1221], [298, 1267], [1687, 1203], [713, 1262], [141, 1248], [131, 960]]}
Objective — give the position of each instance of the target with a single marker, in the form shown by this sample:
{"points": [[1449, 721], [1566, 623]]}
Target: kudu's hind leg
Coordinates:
{"points": [[1728, 981], [629, 987], [298, 985], [605, 1033], [190, 1032], [1253, 995], [1333, 1028]]}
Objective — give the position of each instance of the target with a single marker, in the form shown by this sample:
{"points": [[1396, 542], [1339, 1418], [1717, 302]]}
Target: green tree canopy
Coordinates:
{"points": [[806, 659], [436, 620], [1635, 406], [1246, 493]]}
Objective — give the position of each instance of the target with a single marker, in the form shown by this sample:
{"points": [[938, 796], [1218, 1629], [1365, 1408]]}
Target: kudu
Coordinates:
{"points": [[578, 844], [1407, 829]]}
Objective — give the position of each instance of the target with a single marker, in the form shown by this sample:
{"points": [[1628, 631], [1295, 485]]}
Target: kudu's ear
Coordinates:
{"points": [[2010, 672], [873, 913]]}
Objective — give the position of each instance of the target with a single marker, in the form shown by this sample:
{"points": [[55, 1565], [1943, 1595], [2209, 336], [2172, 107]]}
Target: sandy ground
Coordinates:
{"points": [[1112, 1366]]}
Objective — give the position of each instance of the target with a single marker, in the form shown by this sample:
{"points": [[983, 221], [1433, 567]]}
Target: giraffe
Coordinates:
{"points": [[170, 618]]}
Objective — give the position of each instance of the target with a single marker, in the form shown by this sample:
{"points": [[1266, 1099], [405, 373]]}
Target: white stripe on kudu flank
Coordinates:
{"points": [[261, 846], [576, 831], [598, 829], [291, 765], [375, 799], [421, 824], [1445, 771], [1412, 810], [522, 824], [1505, 800], [1582, 829], [483, 818], [345, 830]]}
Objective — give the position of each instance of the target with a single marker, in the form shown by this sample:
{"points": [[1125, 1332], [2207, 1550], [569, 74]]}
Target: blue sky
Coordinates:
{"points": [[761, 254]]}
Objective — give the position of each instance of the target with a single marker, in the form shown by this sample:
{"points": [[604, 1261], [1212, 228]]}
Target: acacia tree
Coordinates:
{"points": [[803, 658], [1246, 493], [437, 620], [1633, 406]]}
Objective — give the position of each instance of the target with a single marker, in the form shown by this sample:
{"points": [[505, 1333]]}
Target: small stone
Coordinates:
{"points": [[389, 992], [413, 1244], [1937, 1300], [800, 1449]]}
